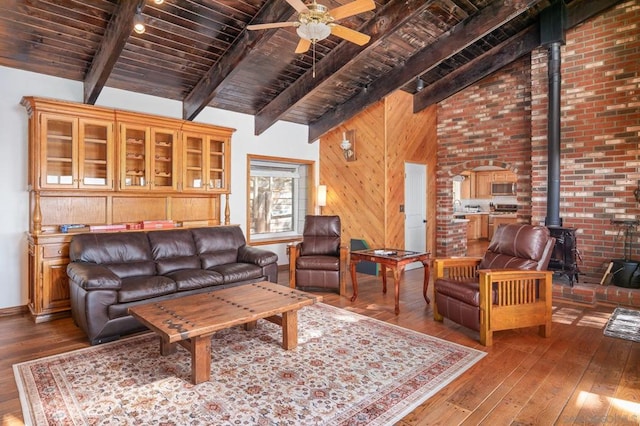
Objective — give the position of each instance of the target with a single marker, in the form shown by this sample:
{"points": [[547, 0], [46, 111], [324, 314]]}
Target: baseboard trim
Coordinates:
{"points": [[16, 310]]}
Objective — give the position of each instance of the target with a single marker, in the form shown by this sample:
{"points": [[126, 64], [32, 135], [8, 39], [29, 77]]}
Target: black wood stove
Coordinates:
{"points": [[564, 259]]}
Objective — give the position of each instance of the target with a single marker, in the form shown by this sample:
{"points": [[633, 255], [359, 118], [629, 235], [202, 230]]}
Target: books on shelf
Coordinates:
{"points": [[120, 227], [158, 224]]}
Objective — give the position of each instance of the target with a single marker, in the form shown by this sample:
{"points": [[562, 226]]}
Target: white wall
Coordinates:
{"points": [[281, 140]]}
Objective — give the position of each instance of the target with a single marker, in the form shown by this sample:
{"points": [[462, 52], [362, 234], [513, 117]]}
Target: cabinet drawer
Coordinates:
{"points": [[56, 250]]}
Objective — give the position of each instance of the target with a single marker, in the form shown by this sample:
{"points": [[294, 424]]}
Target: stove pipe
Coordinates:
{"points": [[552, 34], [553, 138]]}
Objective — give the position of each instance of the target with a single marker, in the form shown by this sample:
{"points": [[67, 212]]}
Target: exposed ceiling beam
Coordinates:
{"points": [[458, 38], [205, 90], [502, 55], [114, 40], [387, 20], [482, 66]]}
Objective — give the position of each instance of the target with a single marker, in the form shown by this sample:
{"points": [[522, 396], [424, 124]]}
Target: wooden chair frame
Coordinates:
{"points": [[524, 298]]}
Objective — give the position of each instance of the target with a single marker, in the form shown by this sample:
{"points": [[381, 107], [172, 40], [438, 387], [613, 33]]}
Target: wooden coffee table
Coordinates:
{"points": [[191, 320], [395, 260]]}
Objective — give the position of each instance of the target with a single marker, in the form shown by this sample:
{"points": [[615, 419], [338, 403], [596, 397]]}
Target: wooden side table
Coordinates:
{"points": [[394, 259]]}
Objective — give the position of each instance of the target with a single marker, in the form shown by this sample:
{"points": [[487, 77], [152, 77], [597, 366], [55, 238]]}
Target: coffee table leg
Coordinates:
{"points": [[167, 348], [200, 359], [290, 330]]}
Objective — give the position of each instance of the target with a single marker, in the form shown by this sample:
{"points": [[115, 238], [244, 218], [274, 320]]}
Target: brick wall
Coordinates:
{"points": [[502, 120], [487, 124], [600, 116]]}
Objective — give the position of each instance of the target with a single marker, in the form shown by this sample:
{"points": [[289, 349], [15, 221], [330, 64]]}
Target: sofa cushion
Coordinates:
{"points": [[234, 272], [173, 250], [145, 287], [132, 269], [118, 247], [322, 263], [466, 290], [218, 245], [188, 279]]}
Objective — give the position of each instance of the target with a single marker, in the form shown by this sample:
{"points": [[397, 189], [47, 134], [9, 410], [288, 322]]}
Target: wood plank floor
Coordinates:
{"points": [[577, 376]]}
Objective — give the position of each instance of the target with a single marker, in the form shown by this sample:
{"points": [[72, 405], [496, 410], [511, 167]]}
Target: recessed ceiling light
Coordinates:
{"points": [[158, 1]]}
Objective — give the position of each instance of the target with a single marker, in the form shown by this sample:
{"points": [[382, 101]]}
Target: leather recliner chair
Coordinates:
{"points": [[509, 287], [319, 261]]}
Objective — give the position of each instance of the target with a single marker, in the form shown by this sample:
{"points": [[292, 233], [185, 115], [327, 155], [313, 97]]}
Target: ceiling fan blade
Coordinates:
{"points": [[271, 25], [350, 35], [298, 5], [303, 45], [353, 8]]}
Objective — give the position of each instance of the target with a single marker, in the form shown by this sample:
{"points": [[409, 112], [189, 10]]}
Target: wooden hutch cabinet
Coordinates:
{"points": [[99, 166]]}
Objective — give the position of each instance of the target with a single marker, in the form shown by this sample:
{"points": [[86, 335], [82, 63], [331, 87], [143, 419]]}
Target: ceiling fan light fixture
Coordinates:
{"points": [[138, 22], [313, 31]]}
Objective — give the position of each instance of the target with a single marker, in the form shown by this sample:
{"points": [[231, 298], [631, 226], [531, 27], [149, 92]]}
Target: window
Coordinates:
{"points": [[277, 197]]}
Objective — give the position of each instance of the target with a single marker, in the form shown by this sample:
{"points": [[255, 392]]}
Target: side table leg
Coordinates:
{"points": [[384, 278], [397, 275], [425, 286], [200, 359], [354, 281], [290, 329]]}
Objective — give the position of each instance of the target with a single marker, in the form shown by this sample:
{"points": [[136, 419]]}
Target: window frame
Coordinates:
{"points": [[308, 208]]}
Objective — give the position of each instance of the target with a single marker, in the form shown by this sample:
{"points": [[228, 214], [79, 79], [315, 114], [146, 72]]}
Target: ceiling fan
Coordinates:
{"points": [[316, 22]]}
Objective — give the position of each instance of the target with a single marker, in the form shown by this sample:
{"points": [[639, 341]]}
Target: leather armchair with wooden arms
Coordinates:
{"points": [[319, 261], [509, 287]]}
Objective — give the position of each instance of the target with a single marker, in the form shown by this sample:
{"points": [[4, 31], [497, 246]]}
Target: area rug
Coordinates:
{"points": [[347, 369], [624, 324]]}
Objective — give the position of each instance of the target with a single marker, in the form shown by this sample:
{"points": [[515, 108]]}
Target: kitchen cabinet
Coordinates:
{"points": [[504, 176], [484, 226], [483, 184], [468, 187], [473, 226], [498, 220]]}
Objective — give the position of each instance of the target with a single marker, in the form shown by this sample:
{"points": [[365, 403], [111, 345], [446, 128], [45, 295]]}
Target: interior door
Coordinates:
{"points": [[415, 208]]}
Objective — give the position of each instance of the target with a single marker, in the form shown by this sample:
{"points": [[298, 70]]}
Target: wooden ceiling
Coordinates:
{"points": [[200, 52]]}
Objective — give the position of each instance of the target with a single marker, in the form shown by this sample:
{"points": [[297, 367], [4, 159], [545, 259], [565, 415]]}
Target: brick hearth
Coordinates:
{"points": [[589, 291]]}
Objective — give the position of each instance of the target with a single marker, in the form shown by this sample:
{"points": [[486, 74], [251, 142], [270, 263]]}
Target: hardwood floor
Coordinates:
{"points": [[577, 376]]}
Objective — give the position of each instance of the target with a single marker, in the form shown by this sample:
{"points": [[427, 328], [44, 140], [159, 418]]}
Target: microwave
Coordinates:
{"points": [[503, 188]]}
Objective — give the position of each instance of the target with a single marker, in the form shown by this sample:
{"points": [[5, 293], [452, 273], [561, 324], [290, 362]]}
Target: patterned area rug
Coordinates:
{"points": [[347, 369], [624, 324]]}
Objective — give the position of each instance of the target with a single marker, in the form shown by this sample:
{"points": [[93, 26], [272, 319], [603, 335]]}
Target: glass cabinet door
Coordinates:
{"points": [[59, 151], [193, 162], [134, 157], [217, 164], [163, 143], [95, 154]]}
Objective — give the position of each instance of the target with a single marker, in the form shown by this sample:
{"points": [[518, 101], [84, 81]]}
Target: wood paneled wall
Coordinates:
{"points": [[367, 193]]}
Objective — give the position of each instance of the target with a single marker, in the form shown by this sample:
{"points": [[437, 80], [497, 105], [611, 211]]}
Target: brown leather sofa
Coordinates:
{"points": [[318, 262], [110, 272], [509, 287]]}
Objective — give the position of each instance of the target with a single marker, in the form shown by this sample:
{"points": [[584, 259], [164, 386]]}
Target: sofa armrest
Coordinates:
{"points": [[257, 256], [91, 276], [456, 267]]}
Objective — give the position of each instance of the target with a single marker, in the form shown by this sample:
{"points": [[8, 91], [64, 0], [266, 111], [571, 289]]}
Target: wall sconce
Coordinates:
{"points": [[348, 145], [322, 196], [138, 22]]}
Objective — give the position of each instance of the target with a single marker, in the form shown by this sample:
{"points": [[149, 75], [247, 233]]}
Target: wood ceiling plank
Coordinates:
{"points": [[388, 19], [205, 90], [455, 40]]}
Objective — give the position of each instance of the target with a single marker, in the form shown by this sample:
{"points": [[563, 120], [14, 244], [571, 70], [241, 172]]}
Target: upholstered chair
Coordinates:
{"points": [[319, 261], [509, 287]]}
